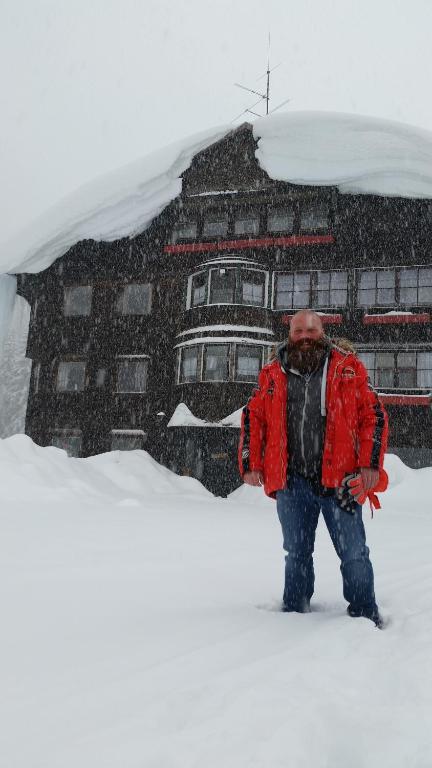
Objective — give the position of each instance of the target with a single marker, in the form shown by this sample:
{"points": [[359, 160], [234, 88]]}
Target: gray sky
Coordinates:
{"points": [[89, 85]]}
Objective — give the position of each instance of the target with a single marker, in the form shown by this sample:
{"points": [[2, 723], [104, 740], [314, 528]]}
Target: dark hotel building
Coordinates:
{"points": [[121, 333]]}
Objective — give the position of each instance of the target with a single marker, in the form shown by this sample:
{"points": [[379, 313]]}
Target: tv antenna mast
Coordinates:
{"points": [[262, 96]]}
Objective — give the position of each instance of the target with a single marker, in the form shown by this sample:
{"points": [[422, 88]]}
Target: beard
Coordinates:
{"points": [[306, 355]]}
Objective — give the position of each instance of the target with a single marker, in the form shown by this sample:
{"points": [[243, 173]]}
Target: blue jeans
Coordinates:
{"points": [[298, 508]]}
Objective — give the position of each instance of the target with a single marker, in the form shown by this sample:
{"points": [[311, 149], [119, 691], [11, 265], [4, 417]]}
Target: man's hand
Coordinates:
{"points": [[369, 477], [253, 478]]}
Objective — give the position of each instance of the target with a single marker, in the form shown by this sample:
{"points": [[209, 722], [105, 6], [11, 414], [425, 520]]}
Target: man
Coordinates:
{"points": [[314, 434]]}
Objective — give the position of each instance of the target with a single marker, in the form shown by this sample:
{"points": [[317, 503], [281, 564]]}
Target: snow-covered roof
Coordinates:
{"points": [[357, 154]]}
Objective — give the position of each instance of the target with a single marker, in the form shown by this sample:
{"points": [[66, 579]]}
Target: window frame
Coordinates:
{"points": [[318, 204], [396, 367], [232, 357], [215, 216], [185, 222], [239, 270], [313, 289], [77, 361], [273, 210], [69, 289], [397, 271], [131, 358], [120, 299], [67, 432]]}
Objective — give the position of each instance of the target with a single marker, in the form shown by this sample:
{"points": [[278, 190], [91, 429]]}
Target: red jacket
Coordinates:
{"points": [[356, 424]]}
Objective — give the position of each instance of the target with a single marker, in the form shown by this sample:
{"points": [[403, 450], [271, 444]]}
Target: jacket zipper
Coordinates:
{"points": [[307, 378]]}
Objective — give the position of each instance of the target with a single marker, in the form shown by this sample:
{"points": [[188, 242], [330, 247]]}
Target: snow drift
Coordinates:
{"points": [[139, 625]]}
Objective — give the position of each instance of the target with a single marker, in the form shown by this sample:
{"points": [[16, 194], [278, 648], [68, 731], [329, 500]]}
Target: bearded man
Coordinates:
{"points": [[314, 435]]}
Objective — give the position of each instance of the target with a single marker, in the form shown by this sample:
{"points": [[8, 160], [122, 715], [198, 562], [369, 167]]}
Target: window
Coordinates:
{"points": [[199, 289], [222, 286], [292, 290], [400, 370], [424, 369], [229, 361], [216, 362], [246, 223], [127, 439], [69, 440], [281, 219], [227, 285], [184, 230], [314, 217], [71, 376], [215, 225], [377, 287], [134, 299], [77, 300], [415, 285], [101, 375], [189, 364], [332, 289], [252, 286], [248, 362], [132, 375]]}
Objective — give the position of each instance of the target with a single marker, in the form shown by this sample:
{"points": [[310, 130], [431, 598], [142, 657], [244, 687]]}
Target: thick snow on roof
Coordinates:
{"points": [[357, 154], [119, 204], [365, 155]]}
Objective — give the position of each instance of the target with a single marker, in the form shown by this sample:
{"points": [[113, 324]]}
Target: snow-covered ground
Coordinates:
{"points": [[137, 626]]}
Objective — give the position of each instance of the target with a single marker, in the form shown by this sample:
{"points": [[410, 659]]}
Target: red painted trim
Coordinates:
{"points": [[423, 317], [424, 400], [325, 319], [262, 242]]}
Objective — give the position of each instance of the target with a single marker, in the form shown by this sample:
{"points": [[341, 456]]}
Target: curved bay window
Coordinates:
{"points": [[228, 285], [219, 362]]}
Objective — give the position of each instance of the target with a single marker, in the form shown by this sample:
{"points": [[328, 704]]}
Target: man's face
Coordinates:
{"points": [[306, 342], [305, 329]]}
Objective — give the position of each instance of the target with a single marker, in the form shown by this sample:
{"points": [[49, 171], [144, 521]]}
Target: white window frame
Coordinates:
{"points": [[228, 265]]}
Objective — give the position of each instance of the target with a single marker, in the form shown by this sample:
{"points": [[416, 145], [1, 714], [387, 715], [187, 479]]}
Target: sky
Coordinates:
{"points": [[86, 87]]}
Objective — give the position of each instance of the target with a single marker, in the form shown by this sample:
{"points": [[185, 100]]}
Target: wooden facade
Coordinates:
{"points": [[123, 332]]}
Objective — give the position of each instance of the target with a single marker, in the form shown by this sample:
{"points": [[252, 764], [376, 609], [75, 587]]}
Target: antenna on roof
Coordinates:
{"points": [[262, 96]]}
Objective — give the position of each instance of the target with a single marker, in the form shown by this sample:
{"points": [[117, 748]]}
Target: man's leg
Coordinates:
{"points": [[349, 539], [298, 512]]}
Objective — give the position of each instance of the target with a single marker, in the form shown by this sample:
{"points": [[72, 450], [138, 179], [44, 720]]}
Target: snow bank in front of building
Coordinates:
{"points": [[357, 154]]}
